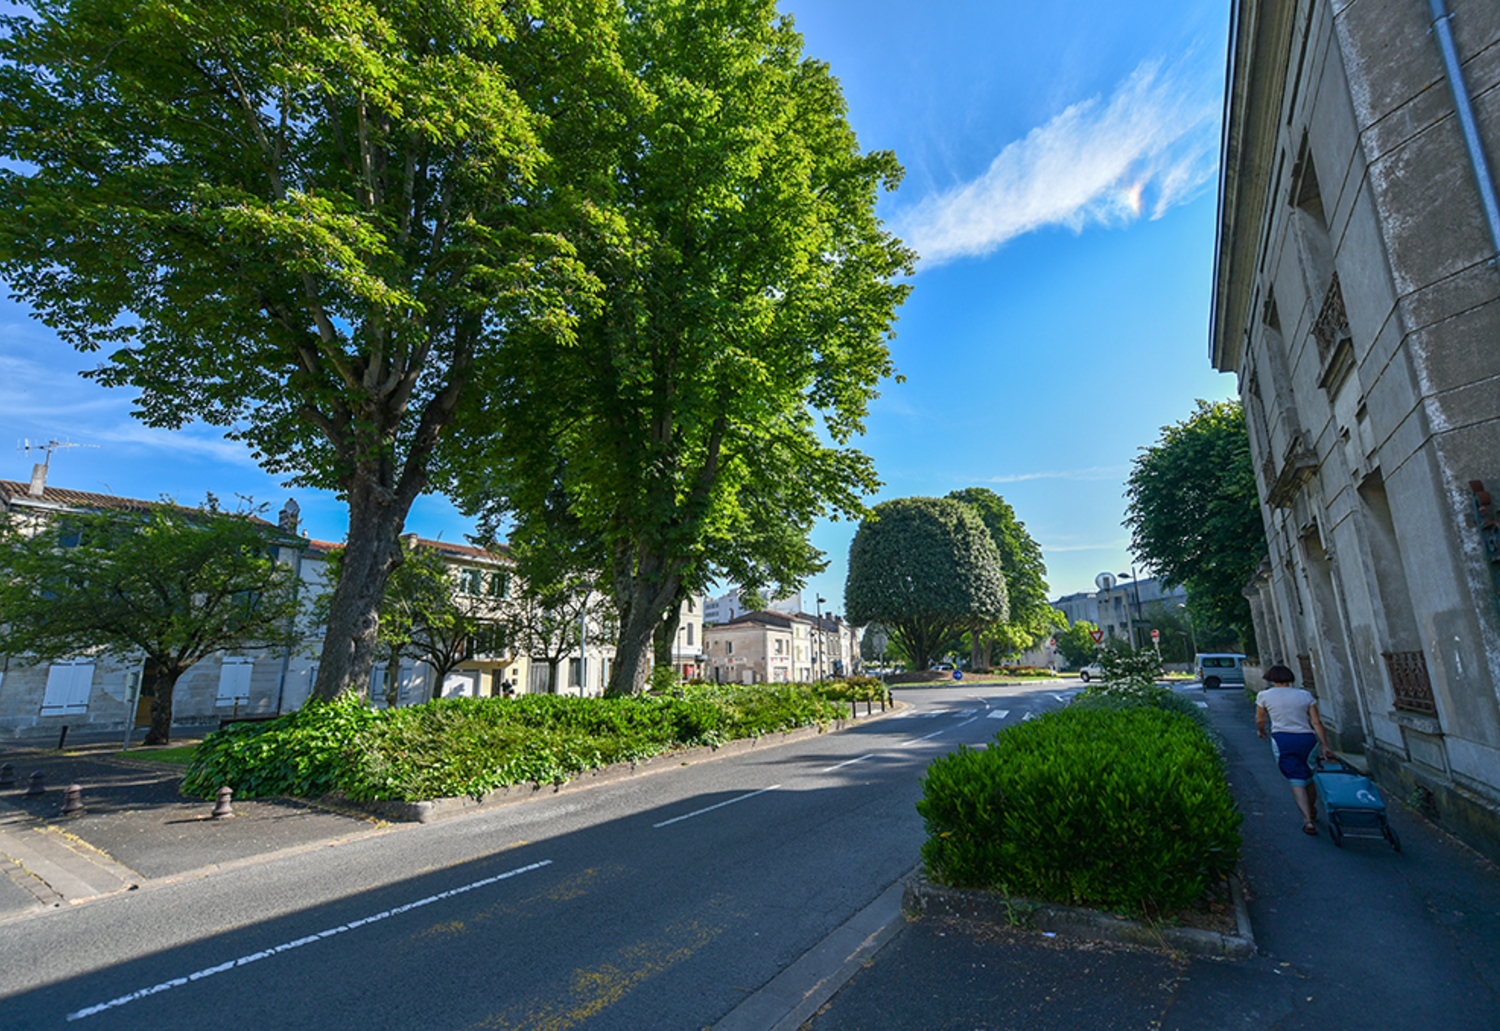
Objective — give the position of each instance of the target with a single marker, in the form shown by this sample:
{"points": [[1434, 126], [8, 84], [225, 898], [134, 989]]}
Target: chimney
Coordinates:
{"points": [[38, 479]]}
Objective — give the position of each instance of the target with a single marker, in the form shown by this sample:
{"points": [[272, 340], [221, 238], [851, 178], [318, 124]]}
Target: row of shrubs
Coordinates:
{"points": [[1119, 800], [470, 746]]}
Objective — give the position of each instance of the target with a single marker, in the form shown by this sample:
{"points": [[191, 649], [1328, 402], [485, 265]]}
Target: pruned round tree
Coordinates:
{"points": [[926, 568]]}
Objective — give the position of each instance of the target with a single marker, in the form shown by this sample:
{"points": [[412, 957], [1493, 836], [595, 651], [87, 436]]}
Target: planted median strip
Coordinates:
{"points": [[474, 746]]}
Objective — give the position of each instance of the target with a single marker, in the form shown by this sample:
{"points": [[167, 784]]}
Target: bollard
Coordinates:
{"points": [[853, 709], [62, 737], [868, 704], [72, 800], [7, 776], [38, 784], [222, 809]]}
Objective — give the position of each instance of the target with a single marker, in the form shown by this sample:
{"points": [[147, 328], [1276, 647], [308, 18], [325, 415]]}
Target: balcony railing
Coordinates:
{"points": [[1409, 678]]}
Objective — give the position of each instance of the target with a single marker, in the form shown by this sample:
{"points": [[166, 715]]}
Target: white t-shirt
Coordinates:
{"points": [[1287, 707]]}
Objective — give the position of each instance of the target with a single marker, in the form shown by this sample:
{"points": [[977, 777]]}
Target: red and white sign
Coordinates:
{"points": [[1097, 635], [1156, 635]]}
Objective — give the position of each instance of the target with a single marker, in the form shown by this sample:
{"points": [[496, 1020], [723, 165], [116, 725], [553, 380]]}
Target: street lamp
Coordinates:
{"points": [[1131, 577], [1188, 615], [820, 602]]}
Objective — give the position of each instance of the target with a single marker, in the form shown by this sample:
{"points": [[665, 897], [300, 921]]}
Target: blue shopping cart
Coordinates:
{"points": [[1353, 802]]}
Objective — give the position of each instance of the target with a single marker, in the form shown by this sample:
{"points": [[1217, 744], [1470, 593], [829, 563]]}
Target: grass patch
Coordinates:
{"points": [[179, 754]]}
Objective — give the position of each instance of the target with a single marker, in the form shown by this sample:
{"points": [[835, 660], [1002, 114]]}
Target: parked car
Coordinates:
{"points": [[1093, 671], [1220, 669], [942, 667]]}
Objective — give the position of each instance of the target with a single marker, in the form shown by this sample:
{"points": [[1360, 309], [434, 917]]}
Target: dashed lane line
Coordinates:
{"points": [[198, 975], [709, 809], [849, 762]]}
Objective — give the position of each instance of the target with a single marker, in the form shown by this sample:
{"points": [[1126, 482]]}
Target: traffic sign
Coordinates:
{"points": [[1097, 635], [1156, 635]]}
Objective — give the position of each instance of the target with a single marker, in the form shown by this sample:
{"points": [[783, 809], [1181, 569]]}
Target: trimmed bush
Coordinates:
{"points": [[1092, 805]]}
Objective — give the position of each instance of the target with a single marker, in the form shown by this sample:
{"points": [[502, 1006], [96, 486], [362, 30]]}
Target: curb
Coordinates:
{"points": [[799, 991], [437, 809], [923, 898]]}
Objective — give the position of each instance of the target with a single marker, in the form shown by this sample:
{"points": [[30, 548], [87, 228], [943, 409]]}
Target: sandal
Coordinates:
{"points": [[1309, 828]]}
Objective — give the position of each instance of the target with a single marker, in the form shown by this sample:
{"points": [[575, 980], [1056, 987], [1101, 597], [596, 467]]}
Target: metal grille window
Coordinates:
{"points": [[1304, 663], [1409, 678]]}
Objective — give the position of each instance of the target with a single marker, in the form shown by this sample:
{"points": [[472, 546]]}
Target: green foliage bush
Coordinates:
{"points": [[1121, 806], [470, 746]]}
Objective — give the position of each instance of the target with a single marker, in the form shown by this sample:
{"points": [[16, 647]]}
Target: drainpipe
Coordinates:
{"points": [[1440, 19]]}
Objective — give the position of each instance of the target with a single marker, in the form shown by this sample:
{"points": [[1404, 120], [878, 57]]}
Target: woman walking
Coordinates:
{"points": [[1295, 730]]}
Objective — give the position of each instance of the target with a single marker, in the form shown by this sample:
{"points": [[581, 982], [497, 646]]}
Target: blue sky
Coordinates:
{"points": [[1061, 163]]}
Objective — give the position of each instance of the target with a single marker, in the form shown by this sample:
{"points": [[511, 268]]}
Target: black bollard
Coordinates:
{"points": [[222, 809], [38, 784], [853, 709], [72, 800], [7, 776], [62, 737]]}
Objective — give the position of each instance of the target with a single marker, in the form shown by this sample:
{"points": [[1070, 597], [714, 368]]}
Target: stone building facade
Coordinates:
{"points": [[1357, 300]]}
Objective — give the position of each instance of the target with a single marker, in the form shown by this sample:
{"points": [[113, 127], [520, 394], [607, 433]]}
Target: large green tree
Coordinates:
{"points": [[312, 223], [927, 569], [1030, 617], [701, 416], [1194, 514], [171, 586]]}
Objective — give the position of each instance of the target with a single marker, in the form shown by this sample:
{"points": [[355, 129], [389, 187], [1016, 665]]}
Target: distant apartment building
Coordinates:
{"points": [[777, 647], [1114, 610], [516, 650], [728, 606]]}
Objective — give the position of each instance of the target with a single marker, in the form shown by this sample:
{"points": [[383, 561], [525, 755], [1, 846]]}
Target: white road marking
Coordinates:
{"points": [[966, 722], [709, 809], [931, 715], [1028, 717], [850, 762], [198, 975], [965, 712], [999, 714], [1201, 705]]}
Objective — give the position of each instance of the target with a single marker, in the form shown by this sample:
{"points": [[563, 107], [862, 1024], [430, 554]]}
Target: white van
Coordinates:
{"points": [[1219, 669]]}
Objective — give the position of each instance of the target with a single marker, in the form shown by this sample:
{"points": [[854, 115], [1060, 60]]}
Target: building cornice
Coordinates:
{"points": [[1259, 52]]}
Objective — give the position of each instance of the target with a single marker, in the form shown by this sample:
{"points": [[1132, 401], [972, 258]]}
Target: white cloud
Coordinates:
{"points": [[1151, 145], [1106, 546], [1102, 472]]}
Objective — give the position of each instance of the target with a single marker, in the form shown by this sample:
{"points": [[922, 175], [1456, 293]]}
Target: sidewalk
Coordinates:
{"points": [[135, 826], [1359, 937]]}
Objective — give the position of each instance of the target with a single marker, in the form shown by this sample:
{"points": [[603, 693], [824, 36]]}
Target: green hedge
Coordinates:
{"points": [[469, 746], [1092, 805]]}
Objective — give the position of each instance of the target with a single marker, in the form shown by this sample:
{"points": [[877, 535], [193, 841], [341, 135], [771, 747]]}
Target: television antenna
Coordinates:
{"points": [[49, 447], [39, 471]]}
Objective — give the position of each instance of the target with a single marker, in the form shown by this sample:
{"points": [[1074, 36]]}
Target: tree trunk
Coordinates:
{"points": [[373, 551], [665, 637], [161, 706], [643, 592], [393, 679]]}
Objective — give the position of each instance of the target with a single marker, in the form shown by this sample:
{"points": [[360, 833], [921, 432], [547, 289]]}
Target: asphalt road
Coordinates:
{"points": [[659, 902]]}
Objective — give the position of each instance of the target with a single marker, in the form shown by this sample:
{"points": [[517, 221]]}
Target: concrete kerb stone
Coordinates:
{"points": [[444, 808], [923, 898]]}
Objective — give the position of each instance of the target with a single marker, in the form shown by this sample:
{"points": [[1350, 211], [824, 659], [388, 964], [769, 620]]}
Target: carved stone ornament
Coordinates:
{"points": [[1333, 322]]}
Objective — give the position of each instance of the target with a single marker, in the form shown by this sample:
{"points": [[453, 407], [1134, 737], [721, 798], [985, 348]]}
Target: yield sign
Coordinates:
{"points": [[1097, 635]]}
